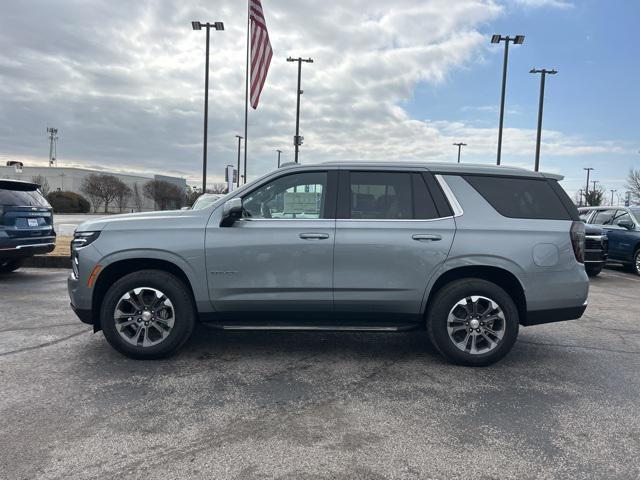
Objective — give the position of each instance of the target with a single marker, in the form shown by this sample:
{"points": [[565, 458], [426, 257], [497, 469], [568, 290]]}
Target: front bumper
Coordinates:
{"points": [[84, 312]]}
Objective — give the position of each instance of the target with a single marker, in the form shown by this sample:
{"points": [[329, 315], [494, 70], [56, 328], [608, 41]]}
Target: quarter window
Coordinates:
{"points": [[299, 196]]}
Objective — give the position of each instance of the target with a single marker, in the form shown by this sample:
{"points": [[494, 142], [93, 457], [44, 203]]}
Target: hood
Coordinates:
{"points": [[118, 221]]}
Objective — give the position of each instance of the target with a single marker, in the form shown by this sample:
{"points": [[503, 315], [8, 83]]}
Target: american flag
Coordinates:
{"points": [[261, 51]]}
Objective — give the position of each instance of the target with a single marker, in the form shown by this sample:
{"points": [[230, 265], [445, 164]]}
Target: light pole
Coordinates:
{"points": [[459, 145], [517, 40], [586, 190], [53, 139], [238, 175], [543, 75], [198, 26], [279, 152], [297, 140], [612, 192]]}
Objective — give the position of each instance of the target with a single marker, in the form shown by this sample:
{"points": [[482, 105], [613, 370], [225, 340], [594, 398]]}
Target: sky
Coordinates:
{"points": [[124, 81]]}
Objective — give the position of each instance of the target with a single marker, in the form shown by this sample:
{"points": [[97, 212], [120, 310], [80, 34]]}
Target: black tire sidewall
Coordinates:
{"points": [[9, 265], [634, 266], [444, 301], [179, 295]]}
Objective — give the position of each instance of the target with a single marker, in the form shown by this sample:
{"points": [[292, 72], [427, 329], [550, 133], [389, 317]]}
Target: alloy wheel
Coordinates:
{"points": [[476, 324], [144, 316]]}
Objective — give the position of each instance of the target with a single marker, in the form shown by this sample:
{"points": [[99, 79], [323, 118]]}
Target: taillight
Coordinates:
{"points": [[577, 240]]}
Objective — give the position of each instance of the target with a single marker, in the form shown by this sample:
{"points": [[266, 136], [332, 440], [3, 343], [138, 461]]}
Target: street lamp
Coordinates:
{"points": [[297, 140], [586, 190], [279, 152], [238, 174], [517, 40], [198, 26], [460, 145], [612, 192], [543, 75]]}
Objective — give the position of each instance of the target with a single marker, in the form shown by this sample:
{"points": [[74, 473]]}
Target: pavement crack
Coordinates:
{"points": [[42, 345], [562, 345]]}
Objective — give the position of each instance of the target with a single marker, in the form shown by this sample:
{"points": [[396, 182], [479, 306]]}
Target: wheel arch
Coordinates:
{"points": [[116, 270], [500, 276]]}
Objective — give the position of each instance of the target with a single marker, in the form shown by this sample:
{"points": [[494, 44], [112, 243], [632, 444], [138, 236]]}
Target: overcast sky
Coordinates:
{"points": [[123, 82]]}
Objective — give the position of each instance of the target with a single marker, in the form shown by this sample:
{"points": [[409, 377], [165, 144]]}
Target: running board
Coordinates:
{"points": [[325, 328]]}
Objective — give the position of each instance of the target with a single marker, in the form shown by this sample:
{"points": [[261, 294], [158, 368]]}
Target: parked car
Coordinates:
{"points": [[622, 226], [596, 249], [468, 253], [26, 223]]}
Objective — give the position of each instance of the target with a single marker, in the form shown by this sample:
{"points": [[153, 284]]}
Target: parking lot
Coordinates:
{"points": [[563, 404]]}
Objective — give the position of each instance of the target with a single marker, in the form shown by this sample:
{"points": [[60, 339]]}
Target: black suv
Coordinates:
{"points": [[26, 223]]}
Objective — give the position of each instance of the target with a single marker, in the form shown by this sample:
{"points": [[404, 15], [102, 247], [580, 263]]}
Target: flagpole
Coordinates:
{"points": [[246, 95]]}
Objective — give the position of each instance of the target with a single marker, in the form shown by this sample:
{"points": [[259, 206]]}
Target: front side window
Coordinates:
{"points": [[604, 217], [621, 216], [296, 196]]}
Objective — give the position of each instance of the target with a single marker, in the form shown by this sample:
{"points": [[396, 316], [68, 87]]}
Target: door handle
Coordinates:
{"points": [[424, 237], [314, 236]]}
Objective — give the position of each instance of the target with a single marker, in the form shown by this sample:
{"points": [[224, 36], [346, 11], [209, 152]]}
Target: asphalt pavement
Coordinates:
{"points": [[257, 405]]}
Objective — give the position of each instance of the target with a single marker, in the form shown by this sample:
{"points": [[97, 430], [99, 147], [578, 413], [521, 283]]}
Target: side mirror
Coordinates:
{"points": [[185, 208], [231, 211], [628, 224]]}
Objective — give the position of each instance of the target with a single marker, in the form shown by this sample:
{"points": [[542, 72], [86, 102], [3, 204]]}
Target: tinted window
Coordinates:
{"points": [[521, 197], [21, 198], [604, 217], [301, 195]]}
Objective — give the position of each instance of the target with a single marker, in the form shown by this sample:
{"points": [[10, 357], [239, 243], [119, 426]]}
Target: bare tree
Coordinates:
{"points": [[101, 189], [123, 196], [165, 195], [138, 199], [633, 185], [44, 184], [218, 188]]}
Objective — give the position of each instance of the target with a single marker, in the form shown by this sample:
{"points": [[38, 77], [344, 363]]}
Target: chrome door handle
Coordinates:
{"points": [[314, 236], [423, 237]]}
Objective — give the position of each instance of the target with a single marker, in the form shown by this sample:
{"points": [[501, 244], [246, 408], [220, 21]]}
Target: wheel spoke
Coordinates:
{"points": [[486, 319], [150, 305]]}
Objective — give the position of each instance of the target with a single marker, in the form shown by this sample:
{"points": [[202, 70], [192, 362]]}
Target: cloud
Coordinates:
{"points": [[123, 83], [561, 4]]}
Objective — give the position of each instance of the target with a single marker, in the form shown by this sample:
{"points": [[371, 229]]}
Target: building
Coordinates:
{"points": [[70, 179]]}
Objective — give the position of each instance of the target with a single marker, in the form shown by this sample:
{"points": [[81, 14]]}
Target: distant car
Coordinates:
{"points": [[622, 226], [26, 223], [203, 201], [596, 249]]}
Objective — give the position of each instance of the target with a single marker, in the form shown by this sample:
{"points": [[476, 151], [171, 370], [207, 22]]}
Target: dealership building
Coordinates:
{"points": [[70, 179]]}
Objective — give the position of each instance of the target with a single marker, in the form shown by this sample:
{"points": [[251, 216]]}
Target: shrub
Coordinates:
{"points": [[68, 202]]}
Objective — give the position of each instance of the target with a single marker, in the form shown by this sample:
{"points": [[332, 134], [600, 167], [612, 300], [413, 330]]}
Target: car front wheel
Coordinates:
{"points": [[147, 314], [473, 322]]}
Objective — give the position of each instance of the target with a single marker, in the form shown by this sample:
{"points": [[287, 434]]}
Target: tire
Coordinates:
{"points": [[635, 266], [164, 331], [9, 265], [593, 271], [501, 315]]}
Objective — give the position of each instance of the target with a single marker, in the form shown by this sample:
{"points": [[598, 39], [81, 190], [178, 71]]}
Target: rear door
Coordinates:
{"points": [[391, 236]]}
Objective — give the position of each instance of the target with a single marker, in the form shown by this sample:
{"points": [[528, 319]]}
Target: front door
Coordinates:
{"points": [[279, 255], [390, 239]]}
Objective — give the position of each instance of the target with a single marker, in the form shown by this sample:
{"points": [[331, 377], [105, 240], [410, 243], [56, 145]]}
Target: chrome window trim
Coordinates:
{"points": [[453, 201]]}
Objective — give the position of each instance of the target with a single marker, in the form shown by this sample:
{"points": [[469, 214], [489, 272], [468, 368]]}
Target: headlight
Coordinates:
{"points": [[82, 239]]}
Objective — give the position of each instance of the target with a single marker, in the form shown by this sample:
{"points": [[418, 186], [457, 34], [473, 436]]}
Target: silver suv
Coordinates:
{"points": [[468, 253]]}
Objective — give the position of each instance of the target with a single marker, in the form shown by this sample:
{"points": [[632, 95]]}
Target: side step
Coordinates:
{"points": [[315, 328]]}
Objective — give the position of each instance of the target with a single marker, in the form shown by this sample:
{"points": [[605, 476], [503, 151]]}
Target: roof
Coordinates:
{"points": [[21, 185], [441, 167]]}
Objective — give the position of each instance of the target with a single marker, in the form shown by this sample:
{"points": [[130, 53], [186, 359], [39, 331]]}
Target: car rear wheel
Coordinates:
{"points": [[147, 314], [10, 265], [473, 322], [593, 271]]}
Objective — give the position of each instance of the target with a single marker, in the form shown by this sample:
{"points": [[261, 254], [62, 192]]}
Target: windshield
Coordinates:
{"points": [[635, 211], [205, 201]]}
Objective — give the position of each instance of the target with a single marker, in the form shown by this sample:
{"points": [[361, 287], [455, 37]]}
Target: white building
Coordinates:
{"points": [[70, 179]]}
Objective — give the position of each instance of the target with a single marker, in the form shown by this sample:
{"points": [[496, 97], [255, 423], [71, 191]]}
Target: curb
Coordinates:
{"points": [[47, 261]]}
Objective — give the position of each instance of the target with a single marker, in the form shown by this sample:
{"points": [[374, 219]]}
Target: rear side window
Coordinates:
{"points": [[522, 197], [21, 198], [389, 196]]}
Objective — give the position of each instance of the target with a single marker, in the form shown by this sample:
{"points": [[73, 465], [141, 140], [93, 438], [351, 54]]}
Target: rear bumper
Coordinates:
{"points": [[538, 317], [20, 248]]}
